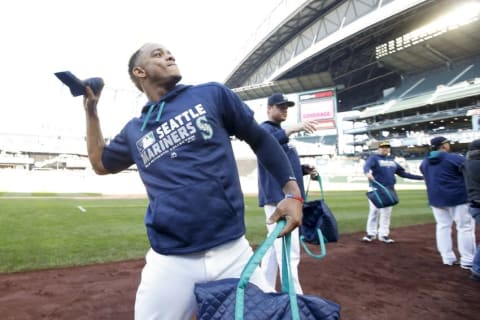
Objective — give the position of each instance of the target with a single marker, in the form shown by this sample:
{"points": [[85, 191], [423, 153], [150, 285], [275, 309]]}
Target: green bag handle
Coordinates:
{"points": [[319, 179], [287, 279], [254, 262], [321, 238], [387, 191]]}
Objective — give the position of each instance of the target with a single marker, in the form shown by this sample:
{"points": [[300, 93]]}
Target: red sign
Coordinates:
{"points": [[318, 106], [317, 95]]}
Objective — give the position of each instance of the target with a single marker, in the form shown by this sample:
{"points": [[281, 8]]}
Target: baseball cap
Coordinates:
{"points": [[77, 86], [436, 142], [384, 144], [278, 98]]}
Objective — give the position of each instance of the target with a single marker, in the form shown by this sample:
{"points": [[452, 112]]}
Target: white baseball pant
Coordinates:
{"points": [[167, 281], [272, 260], [378, 217], [465, 226]]}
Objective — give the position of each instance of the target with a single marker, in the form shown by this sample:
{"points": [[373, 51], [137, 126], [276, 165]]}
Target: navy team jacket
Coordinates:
{"points": [[444, 179], [181, 146], [269, 190], [384, 169]]}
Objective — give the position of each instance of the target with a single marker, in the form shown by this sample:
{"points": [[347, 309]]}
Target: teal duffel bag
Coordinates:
{"points": [[317, 217], [239, 299], [382, 196]]}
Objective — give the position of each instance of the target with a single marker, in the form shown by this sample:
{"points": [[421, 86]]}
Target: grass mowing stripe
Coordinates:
{"points": [[114, 206], [40, 233]]}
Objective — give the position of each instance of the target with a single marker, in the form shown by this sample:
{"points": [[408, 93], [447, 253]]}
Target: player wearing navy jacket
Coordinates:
{"points": [[382, 168], [181, 147], [471, 173], [447, 195], [270, 192]]}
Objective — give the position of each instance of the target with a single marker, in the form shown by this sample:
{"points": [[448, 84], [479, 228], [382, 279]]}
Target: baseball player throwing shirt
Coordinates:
{"points": [[181, 146]]}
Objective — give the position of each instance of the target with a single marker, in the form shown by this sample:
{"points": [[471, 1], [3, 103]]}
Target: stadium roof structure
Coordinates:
{"points": [[357, 67], [428, 89], [444, 49], [292, 85]]}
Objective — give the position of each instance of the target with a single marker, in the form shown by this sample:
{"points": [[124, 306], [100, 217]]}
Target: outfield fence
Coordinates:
{"points": [[129, 183]]}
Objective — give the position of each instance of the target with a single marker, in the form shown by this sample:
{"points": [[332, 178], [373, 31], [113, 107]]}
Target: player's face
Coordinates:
{"points": [[157, 65], [384, 151], [279, 112]]}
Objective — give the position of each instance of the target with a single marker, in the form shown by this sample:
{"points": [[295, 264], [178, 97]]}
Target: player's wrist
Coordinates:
{"points": [[292, 196]]}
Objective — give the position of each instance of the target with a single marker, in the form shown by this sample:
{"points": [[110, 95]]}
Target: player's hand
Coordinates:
{"points": [[291, 210], [90, 99], [307, 126], [311, 170], [310, 126], [370, 176]]}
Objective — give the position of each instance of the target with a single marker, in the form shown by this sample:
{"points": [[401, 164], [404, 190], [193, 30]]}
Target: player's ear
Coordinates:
{"points": [[139, 72]]}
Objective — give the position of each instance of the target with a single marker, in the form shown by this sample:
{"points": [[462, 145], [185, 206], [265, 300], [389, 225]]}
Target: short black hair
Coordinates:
{"points": [[131, 64]]}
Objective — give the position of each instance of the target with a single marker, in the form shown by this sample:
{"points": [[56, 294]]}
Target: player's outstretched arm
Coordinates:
{"points": [[95, 141], [307, 126]]}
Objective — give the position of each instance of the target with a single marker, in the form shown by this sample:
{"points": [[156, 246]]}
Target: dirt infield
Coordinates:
{"points": [[376, 281]]}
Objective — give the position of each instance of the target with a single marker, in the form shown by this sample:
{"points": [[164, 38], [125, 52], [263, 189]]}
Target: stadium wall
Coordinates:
{"points": [[337, 174]]}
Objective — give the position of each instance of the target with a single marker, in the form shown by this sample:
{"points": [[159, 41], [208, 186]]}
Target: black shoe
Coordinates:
{"points": [[386, 239], [368, 238]]}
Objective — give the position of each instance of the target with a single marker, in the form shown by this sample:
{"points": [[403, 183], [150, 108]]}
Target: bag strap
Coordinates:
{"points": [[254, 262], [387, 191], [287, 279], [321, 238], [321, 241], [319, 178]]}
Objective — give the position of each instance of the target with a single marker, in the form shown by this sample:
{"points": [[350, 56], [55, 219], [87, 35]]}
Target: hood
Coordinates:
{"points": [[435, 157], [148, 109], [169, 96], [473, 155]]}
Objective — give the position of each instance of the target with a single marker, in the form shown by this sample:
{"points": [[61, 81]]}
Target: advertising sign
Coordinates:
{"points": [[319, 105]]}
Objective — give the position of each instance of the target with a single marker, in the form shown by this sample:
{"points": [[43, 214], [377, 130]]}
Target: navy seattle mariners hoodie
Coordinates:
{"points": [[471, 174], [444, 179], [269, 190], [181, 146], [384, 169]]}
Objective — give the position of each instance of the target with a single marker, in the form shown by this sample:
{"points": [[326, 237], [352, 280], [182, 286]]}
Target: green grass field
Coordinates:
{"points": [[41, 232]]}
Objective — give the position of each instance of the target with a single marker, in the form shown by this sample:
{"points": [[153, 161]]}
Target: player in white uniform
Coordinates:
{"points": [[269, 190], [382, 167], [447, 195]]}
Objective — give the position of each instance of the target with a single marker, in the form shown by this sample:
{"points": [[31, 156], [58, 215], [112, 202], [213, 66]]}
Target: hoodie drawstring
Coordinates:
{"points": [[160, 110], [150, 110]]}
